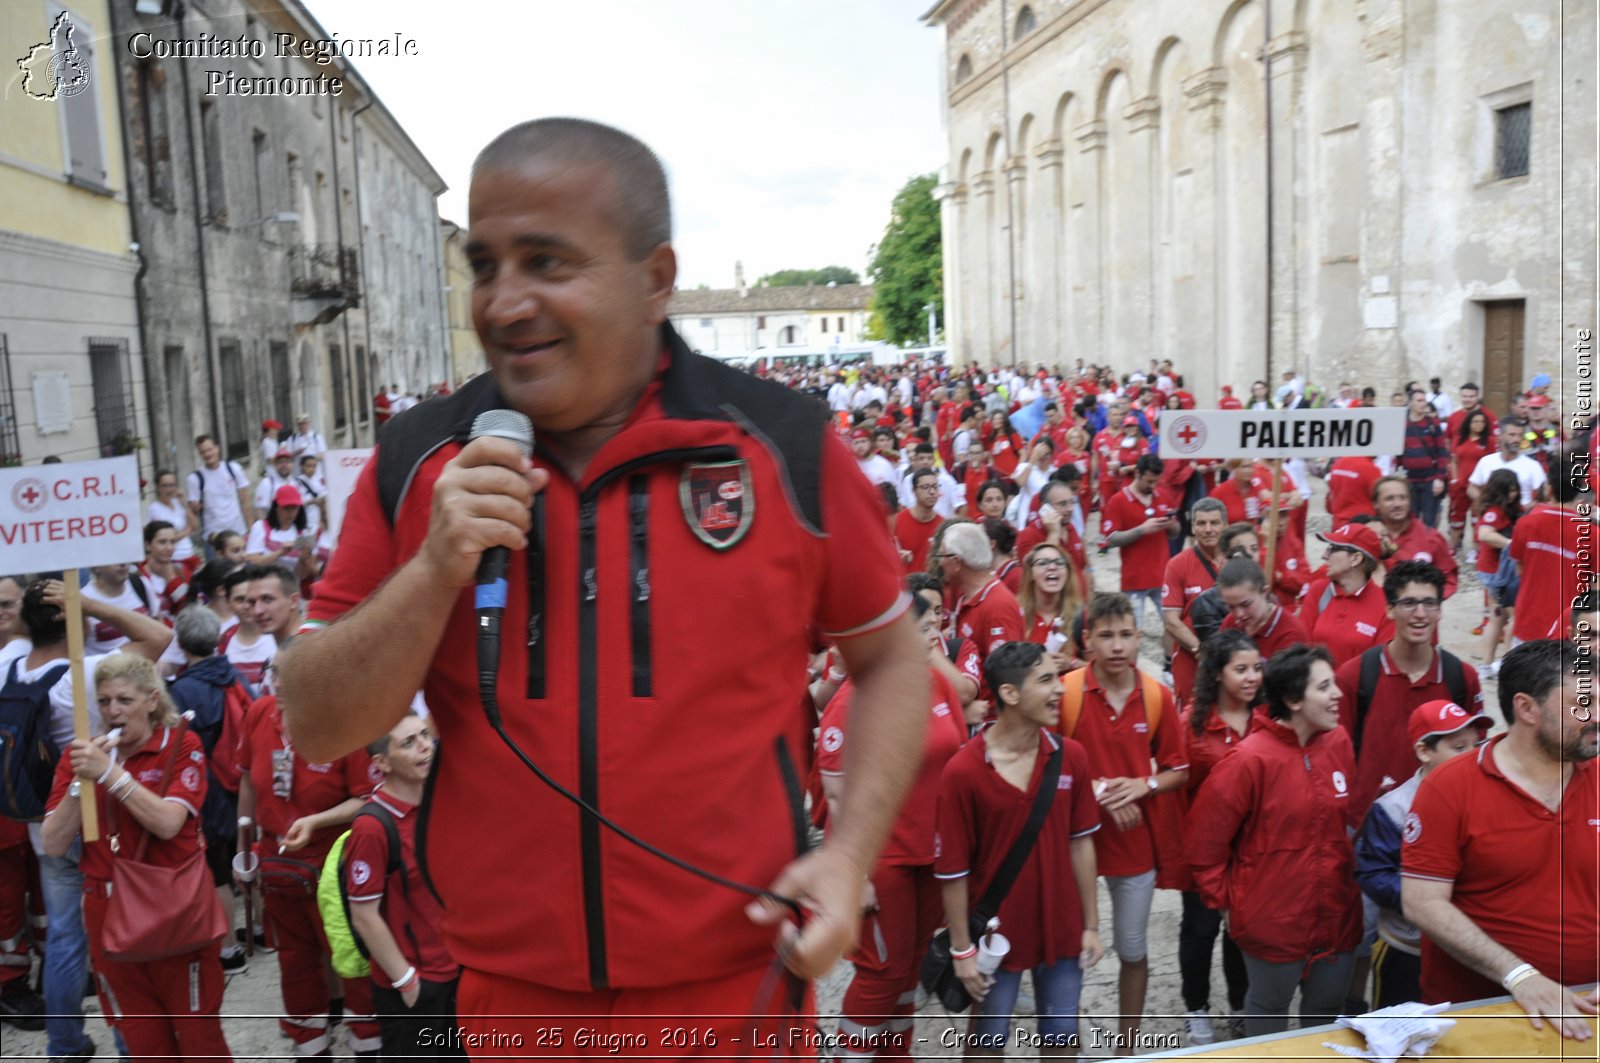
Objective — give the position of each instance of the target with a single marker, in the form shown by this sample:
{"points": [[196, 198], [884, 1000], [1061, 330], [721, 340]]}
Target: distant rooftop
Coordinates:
{"points": [[830, 298]]}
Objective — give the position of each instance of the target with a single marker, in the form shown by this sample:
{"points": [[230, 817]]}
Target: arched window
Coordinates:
{"points": [[964, 69], [788, 336], [1026, 23]]}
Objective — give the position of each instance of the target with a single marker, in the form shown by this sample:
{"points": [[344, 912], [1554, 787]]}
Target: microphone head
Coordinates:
{"points": [[505, 424]]}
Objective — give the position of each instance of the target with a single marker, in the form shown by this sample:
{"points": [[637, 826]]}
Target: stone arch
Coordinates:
{"points": [[1060, 126], [963, 68], [1019, 146], [1168, 51], [964, 169], [1025, 23], [1225, 29], [992, 150], [1108, 82]]}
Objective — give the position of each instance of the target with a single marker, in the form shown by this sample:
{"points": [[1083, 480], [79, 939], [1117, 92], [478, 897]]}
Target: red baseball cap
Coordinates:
{"points": [[271, 426], [1539, 401], [860, 433], [1227, 389], [1437, 719], [288, 495], [1130, 419], [1356, 537]]}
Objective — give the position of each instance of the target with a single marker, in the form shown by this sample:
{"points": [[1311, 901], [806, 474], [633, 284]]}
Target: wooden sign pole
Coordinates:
{"points": [[80, 698], [1272, 522]]}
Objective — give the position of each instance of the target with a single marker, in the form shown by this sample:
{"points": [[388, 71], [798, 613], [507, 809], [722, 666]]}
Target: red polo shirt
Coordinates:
{"points": [[1121, 746], [1422, 543], [1349, 624], [1281, 631], [1493, 518], [988, 618], [911, 837], [410, 911], [1555, 548], [313, 788], [1215, 741], [1186, 580], [1385, 758], [1523, 874], [915, 535], [1144, 561], [980, 815], [1350, 482], [1227, 492]]}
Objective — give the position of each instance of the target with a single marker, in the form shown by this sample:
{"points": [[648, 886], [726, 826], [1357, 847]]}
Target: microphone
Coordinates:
{"points": [[489, 597]]}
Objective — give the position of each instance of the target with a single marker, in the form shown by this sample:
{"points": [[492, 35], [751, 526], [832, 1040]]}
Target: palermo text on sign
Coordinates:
{"points": [[1282, 433]]}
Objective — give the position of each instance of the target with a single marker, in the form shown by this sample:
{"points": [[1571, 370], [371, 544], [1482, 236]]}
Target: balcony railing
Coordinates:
{"points": [[325, 271]]}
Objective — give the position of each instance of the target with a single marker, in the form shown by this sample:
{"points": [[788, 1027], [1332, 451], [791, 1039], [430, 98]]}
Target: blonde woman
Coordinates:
{"points": [[166, 1008]]}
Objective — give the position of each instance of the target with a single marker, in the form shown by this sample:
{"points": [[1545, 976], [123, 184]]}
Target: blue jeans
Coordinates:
{"points": [[1056, 988], [66, 952]]}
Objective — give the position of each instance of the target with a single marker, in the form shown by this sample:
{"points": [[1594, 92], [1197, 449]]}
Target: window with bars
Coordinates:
{"points": [[235, 419], [1513, 127], [363, 386], [336, 367], [10, 439], [111, 377], [282, 385]]}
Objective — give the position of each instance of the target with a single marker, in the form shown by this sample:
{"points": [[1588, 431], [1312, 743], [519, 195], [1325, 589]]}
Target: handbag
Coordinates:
{"points": [[158, 912], [938, 972]]}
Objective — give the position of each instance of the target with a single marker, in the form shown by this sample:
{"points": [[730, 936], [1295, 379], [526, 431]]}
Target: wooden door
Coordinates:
{"points": [[1502, 352]]}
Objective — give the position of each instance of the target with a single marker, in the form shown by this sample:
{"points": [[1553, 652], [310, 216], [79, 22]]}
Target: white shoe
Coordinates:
{"points": [[1488, 671], [1197, 1028]]}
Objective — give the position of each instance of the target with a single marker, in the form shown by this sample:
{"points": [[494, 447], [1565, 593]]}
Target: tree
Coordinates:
{"points": [[799, 278], [908, 266]]}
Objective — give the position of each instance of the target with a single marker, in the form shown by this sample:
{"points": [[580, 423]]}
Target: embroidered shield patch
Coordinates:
{"points": [[717, 501]]}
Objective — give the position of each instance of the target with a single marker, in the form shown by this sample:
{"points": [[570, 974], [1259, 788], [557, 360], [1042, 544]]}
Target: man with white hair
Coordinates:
{"points": [[986, 612]]}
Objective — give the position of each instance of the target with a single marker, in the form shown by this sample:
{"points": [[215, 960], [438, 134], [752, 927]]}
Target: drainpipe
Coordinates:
{"points": [[178, 12], [361, 244], [138, 283]]}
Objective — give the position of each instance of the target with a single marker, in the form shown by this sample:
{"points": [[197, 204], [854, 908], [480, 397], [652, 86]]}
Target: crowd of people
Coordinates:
{"points": [[1306, 763]]}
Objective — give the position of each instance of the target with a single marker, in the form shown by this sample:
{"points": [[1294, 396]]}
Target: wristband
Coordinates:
{"points": [[405, 980], [964, 954], [111, 766], [1517, 975], [122, 787], [835, 676]]}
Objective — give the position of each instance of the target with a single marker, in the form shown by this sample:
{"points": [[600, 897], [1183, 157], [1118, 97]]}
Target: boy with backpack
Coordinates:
{"points": [[392, 909]]}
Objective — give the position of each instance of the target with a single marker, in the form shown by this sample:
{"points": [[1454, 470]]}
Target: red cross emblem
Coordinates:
{"points": [[29, 495], [1188, 434]]}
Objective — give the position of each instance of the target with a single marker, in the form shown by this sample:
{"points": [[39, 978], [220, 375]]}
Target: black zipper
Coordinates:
{"points": [[535, 558], [589, 690], [639, 579]]}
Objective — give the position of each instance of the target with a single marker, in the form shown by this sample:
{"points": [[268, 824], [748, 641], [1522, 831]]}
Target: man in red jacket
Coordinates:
{"points": [[1498, 858]]}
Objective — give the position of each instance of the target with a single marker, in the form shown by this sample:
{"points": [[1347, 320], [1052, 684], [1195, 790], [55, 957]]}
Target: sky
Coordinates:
{"points": [[786, 126]]}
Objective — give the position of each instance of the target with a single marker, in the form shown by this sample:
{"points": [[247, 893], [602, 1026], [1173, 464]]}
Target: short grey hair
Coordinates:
{"points": [[970, 544], [198, 631], [1209, 505]]}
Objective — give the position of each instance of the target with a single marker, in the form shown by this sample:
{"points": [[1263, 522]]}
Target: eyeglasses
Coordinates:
{"points": [[1049, 562], [1410, 605], [944, 557]]}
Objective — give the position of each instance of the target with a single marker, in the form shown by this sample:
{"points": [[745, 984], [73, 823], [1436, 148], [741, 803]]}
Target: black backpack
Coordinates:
{"points": [[1455, 680], [27, 754]]}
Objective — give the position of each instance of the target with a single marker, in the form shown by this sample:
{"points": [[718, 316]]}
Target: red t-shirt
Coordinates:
{"points": [[412, 912], [1122, 746], [988, 618], [1386, 759], [1187, 579], [187, 787], [1281, 631], [1350, 482], [1555, 549], [1524, 875], [1493, 518], [1467, 456], [915, 535], [1227, 492], [1144, 561], [911, 837], [1005, 451], [1350, 623], [1215, 741], [1106, 453], [980, 815], [1452, 424], [974, 477], [312, 788]]}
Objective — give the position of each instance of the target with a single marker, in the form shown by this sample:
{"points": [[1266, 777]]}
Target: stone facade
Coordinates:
{"points": [[1249, 190], [289, 241]]}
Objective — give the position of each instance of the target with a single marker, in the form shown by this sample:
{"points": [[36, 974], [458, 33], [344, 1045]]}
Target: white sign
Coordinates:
{"points": [[52, 403], [74, 515], [1283, 433], [340, 470]]}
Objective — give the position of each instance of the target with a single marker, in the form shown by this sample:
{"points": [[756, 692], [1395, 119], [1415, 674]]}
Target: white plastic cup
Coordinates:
{"points": [[245, 866], [992, 948]]}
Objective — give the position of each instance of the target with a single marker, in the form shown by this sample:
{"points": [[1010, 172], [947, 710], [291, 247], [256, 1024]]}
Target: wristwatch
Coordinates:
{"points": [[1150, 782], [75, 788]]}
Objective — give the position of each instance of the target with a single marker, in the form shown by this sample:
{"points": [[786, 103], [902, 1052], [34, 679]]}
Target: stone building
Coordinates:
{"points": [[1371, 190], [289, 239], [466, 350], [71, 363], [729, 322]]}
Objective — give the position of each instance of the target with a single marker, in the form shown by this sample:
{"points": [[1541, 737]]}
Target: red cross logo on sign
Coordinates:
{"points": [[1189, 434], [29, 495]]}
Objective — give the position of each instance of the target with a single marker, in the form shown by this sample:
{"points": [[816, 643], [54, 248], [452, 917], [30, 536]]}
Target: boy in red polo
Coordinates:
{"points": [[397, 915], [1135, 745], [1137, 525]]}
